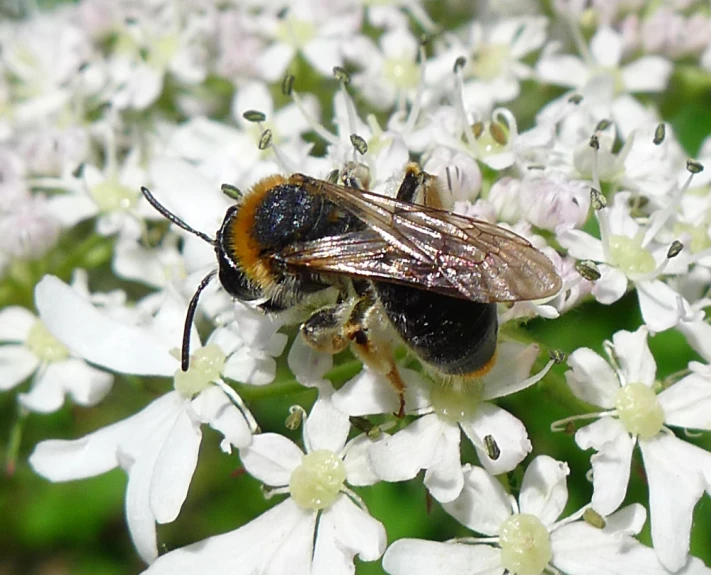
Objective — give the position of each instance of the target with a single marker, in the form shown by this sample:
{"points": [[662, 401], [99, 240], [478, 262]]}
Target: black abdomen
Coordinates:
{"points": [[456, 336]]}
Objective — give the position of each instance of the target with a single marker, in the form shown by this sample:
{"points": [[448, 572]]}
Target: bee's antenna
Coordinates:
{"points": [[173, 218], [189, 317]]}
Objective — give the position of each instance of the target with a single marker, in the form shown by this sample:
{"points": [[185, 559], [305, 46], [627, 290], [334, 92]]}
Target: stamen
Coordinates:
{"points": [[315, 126], [588, 269], [659, 134], [414, 114], [239, 404], [297, 415], [661, 217], [562, 424], [459, 102]]}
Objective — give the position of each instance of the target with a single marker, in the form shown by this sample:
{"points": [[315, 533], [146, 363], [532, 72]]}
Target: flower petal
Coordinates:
{"points": [[97, 453], [647, 74], [677, 474], [585, 550], [308, 365], [606, 47], [483, 505], [16, 364], [511, 369], [119, 346], [369, 393], [344, 531], [358, 469], [85, 384], [611, 286], [581, 246], [216, 409], [634, 357], [271, 458], [507, 430], [444, 478], [592, 379], [420, 557], [401, 456], [611, 464], [687, 403], [326, 426], [278, 541], [659, 305], [544, 492], [174, 467], [15, 323]]}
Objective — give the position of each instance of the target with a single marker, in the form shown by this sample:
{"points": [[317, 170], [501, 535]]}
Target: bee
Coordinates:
{"points": [[367, 270]]}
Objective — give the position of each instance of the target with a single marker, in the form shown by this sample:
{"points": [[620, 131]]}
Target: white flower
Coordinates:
{"points": [[30, 350], [318, 31], [110, 194], [158, 447], [525, 538], [153, 42], [390, 71], [602, 71], [432, 441], [494, 54], [318, 530], [677, 472], [627, 252]]}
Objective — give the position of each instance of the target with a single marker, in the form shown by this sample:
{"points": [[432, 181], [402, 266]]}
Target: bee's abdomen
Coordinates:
{"points": [[455, 336]]}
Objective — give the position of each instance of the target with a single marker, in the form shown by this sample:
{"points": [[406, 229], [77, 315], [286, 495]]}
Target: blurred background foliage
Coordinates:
{"points": [[78, 528]]}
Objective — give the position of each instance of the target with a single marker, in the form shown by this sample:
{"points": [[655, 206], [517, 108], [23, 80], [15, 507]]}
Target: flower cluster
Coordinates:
{"points": [[548, 123]]}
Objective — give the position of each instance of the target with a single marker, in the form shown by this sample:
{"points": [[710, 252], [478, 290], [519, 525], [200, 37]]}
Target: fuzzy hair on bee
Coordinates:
{"points": [[372, 270]]}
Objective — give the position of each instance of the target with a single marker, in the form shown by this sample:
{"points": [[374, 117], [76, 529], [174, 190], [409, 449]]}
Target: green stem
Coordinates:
{"points": [[13, 443], [338, 375]]}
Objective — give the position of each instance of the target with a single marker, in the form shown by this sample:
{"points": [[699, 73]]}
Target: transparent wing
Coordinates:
{"points": [[434, 249]]}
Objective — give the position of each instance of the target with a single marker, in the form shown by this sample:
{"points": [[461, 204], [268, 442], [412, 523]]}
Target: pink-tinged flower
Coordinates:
{"points": [[158, 447], [318, 530], [526, 537], [432, 441], [677, 472], [30, 228]]}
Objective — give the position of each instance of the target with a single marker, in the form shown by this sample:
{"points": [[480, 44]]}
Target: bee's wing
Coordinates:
{"points": [[434, 249]]}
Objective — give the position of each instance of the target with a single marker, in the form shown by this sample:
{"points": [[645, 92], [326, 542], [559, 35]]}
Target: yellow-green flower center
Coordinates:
{"points": [[525, 545], [163, 49], [489, 62], [698, 233], [639, 410], [111, 196], [44, 345], [403, 73], [316, 483], [628, 255], [457, 400], [205, 367], [296, 32]]}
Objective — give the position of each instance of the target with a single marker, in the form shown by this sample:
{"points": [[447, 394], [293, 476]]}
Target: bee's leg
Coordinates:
{"points": [[419, 187], [372, 347], [324, 330]]}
